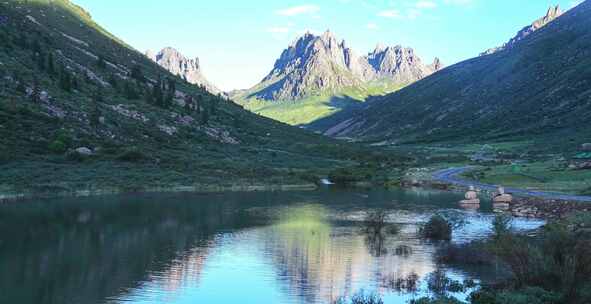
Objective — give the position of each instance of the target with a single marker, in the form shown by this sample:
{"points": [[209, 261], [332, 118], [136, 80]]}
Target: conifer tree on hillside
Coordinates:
{"points": [[95, 113], [50, 64], [36, 92], [65, 80], [101, 63]]}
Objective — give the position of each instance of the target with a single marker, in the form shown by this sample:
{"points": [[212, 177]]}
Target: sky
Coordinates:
{"points": [[238, 41]]}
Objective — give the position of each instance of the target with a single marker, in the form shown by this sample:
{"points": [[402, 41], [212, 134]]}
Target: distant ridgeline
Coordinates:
{"points": [[317, 75], [80, 109], [536, 86]]}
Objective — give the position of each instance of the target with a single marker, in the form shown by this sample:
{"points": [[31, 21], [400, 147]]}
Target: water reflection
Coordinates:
{"points": [[234, 248]]}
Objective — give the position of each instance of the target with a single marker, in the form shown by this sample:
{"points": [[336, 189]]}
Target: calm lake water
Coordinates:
{"points": [[242, 248]]}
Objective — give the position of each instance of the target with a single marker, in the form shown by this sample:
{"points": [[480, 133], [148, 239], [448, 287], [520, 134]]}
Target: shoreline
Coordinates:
{"points": [[15, 196]]}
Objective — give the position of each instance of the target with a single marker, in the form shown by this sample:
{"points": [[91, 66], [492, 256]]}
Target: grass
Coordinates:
{"points": [[133, 152], [539, 175], [317, 105]]}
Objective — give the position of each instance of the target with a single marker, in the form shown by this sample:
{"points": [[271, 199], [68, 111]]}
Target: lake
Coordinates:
{"points": [[280, 247]]}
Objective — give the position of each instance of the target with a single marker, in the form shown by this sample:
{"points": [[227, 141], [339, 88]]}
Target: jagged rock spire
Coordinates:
{"points": [[176, 63]]}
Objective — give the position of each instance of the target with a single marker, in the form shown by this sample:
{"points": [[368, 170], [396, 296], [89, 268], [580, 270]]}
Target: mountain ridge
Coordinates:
{"points": [[539, 86], [552, 13], [316, 63], [188, 69], [82, 112], [318, 75]]}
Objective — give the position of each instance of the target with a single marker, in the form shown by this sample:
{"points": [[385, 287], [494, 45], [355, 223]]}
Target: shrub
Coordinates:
{"points": [[361, 298], [440, 284], [474, 253], [437, 228], [528, 295], [375, 223], [441, 300], [406, 284], [501, 225], [403, 250], [132, 155], [57, 146], [558, 260]]}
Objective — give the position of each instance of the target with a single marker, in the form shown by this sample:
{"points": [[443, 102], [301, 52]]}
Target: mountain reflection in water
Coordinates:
{"points": [[231, 248]]}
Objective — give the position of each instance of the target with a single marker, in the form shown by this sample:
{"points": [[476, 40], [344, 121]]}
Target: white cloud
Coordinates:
{"points": [[458, 2], [298, 10], [372, 26], [390, 14], [425, 4]]}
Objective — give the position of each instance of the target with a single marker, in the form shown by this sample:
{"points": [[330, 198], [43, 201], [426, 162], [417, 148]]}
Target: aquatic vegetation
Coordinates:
{"points": [[473, 253], [362, 297], [437, 228]]}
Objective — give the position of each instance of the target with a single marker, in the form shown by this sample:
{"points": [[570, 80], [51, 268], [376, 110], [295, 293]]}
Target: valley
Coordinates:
{"points": [[386, 177]]}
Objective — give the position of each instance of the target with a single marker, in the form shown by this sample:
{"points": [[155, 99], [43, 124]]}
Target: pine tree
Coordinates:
{"points": [[101, 63], [95, 113], [36, 93], [65, 80], [189, 104], [22, 41], [20, 87], [197, 104], [74, 83], [113, 81], [40, 58], [157, 94], [213, 106], [36, 46], [50, 64], [130, 91], [205, 117], [137, 73]]}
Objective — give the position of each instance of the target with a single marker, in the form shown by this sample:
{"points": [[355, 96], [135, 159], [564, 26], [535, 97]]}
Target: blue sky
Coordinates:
{"points": [[238, 41]]}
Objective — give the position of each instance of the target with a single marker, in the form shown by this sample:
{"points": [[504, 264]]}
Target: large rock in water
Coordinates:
{"points": [[189, 69]]}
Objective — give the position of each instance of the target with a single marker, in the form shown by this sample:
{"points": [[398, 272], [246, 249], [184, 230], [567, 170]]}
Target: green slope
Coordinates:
{"points": [[317, 105], [65, 83], [541, 89]]}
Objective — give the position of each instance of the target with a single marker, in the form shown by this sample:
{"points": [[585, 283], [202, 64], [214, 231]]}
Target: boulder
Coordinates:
{"points": [[584, 165], [84, 151]]}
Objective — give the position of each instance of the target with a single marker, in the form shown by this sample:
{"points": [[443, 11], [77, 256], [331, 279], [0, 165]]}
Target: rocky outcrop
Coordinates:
{"points": [[551, 15], [399, 64], [189, 69], [314, 64]]}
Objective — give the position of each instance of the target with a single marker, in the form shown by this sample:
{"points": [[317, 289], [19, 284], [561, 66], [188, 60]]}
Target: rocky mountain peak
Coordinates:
{"points": [[176, 63], [551, 15], [437, 64], [318, 63]]}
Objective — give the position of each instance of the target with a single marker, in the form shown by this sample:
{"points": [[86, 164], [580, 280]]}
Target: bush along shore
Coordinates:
{"points": [[552, 266]]}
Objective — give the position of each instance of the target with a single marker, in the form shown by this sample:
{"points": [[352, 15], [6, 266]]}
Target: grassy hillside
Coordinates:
{"points": [[540, 89], [81, 110], [316, 106]]}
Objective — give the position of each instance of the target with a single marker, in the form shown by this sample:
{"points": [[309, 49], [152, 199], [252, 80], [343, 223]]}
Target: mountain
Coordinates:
{"points": [[400, 65], [316, 70], [83, 112], [553, 13], [540, 87], [177, 64]]}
